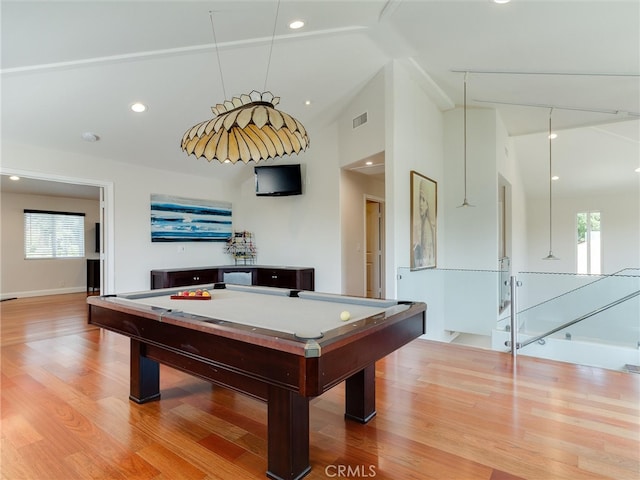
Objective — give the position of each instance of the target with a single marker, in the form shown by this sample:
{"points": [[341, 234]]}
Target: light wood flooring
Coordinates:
{"points": [[444, 412]]}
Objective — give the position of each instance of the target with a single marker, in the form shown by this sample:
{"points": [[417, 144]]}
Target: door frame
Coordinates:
{"points": [[106, 205], [381, 202]]}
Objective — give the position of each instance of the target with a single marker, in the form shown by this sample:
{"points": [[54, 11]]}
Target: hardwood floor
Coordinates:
{"points": [[444, 412], [36, 318]]}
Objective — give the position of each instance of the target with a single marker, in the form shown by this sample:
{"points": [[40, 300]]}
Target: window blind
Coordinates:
{"points": [[50, 234]]}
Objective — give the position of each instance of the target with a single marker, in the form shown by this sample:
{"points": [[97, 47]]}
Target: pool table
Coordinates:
{"points": [[278, 345]]}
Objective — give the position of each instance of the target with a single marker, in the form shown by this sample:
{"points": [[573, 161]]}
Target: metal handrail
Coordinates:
{"points": [[600, 278], [577, 320]]}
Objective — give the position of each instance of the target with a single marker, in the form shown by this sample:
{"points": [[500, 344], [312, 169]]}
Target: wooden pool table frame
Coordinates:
{"points": [[275, 367]]}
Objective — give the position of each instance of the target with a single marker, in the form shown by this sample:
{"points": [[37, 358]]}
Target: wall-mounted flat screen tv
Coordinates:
{"points": [[278, 180]]}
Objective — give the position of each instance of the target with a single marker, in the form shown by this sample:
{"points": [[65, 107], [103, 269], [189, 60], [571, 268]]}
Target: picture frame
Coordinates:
{"points": [[424, 221], [179, 219]]}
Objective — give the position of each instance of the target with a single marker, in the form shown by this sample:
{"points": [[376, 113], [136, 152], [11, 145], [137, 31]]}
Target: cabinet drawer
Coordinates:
{"points": [[193, 278], [276, 278], [183, 278]]}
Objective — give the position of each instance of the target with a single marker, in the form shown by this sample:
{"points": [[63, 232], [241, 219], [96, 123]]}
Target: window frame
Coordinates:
{"points": [[54, 253], [588, 243]]}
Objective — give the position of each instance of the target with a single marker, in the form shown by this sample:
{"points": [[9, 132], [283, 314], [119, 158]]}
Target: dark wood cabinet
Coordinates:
{"points": [[180, 277], [93, 274], [301, 278]]}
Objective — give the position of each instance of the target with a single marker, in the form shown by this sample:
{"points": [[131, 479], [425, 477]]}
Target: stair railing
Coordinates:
{"points": [[514, 344]]}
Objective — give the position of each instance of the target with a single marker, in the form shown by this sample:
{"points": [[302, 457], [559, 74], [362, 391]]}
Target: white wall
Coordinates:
{"points": [[356, 144], [21, 277], [509, 169], [354, 189], [367, 139], [620, 224], [134, 254], [620, 205], [463, 294], [301, 230], [471, 298], [472, 232], [414, 141]]}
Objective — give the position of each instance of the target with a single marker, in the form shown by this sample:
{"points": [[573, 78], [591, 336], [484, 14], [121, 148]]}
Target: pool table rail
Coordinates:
{"points": [[213, 357]]}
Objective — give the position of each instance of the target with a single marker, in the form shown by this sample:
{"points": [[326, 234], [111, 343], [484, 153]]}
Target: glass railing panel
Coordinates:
{"points": [[540, 287], [473, 302], [609, 339], [460, 301], [561, 298], [504, 266]]}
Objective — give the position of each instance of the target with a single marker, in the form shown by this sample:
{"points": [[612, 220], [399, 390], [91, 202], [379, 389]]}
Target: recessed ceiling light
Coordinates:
{"points": [[552, 136], [296, 24], [15, 178], [369, 163], [555, 177], [90, 137], [638, 169], [501, 2], [138, 107], [307, 102]]}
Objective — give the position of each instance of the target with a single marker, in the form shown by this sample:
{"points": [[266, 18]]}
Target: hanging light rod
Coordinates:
{"points": [[551, 256], [559, 107], [568, 74], [465, 202]]}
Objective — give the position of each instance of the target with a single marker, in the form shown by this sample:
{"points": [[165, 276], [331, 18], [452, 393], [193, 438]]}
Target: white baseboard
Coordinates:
{"points": [[41, 293]]}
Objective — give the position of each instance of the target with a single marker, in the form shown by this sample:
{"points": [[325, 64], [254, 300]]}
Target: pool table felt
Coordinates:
{"points": [[307, 316]]}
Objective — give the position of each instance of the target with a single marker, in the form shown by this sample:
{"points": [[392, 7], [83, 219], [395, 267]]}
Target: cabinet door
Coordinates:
{"points": [[268, 277], [93, 274], [192, 277], [306, 279]]}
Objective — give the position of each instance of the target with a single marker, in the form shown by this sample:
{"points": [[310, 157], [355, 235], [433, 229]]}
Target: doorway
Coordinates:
{"points": [[49, 184], [374, 251]]}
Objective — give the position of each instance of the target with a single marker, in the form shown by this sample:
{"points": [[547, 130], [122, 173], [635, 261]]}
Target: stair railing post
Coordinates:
{"points": [[513, 283]]}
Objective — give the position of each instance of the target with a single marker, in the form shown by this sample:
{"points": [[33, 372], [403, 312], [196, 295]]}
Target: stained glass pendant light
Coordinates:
{"points": [[246, 128]]}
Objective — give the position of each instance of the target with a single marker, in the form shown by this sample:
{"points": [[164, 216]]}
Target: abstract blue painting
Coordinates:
{"points": [[176, 219]]}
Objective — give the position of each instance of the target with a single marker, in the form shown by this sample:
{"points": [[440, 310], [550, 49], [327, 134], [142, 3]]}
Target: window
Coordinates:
{"points": [[589, 257], [53, 234]]}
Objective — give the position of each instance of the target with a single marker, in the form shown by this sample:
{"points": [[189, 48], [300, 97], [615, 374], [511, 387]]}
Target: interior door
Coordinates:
{"points": [[374, 250]]}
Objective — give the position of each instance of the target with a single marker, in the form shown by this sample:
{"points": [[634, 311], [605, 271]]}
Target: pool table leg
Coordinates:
{"points": [[360, 393], [288, 434], [144, 379]]}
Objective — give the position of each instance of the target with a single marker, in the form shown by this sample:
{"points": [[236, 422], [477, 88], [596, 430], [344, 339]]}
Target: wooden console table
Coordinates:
{"points": [[300, 278]]}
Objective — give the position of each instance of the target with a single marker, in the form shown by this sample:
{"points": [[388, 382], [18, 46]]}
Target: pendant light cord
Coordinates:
{"points": [[224, 91], [465, 137], [273, 36], [550, 183], [465, 202]]}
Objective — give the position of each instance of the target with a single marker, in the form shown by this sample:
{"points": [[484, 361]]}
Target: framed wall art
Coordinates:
{"points": [[177, 219], [424, 224]]}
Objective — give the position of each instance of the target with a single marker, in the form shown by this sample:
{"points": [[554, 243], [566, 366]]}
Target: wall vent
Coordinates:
{"points": [[360, 120]]}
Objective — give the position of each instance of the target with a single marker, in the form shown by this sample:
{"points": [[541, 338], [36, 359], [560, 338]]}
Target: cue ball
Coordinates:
{"points": [[344, 316]]}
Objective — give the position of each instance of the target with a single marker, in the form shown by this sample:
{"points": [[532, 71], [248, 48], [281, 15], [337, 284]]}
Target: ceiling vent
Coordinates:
{"points": [[360, 120]]}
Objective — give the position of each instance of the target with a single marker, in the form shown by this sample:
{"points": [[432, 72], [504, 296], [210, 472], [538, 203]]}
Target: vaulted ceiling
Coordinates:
{"points": [[74, 67]]}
